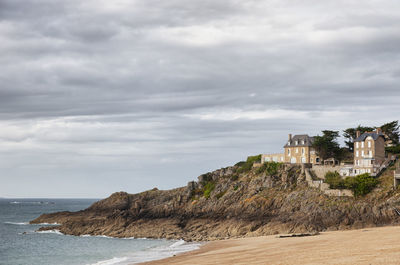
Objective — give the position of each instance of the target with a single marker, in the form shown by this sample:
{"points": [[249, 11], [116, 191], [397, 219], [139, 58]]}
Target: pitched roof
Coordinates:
{"points": [[308, 141], [374, 136]]}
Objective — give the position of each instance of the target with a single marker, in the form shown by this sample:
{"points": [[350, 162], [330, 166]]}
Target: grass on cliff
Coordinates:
{"points": [[246, 166], [271, 168], [208, 188]]}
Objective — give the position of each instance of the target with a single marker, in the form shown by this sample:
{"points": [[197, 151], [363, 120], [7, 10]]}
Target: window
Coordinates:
{"points": [[297, 150], [297, 142], [369, 144], [302, 142], [356, 153], [362, 153], [288, 151], [362, 144], [356, 144], [370, 153], [288, 143], [302, 150], [311, 160], [267, 159]]}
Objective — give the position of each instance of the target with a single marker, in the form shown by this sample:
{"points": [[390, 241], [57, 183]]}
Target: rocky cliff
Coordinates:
{"points": [[231, 202]]}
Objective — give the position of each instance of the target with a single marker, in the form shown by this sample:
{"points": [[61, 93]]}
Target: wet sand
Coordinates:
{"points": [[365, 246]]}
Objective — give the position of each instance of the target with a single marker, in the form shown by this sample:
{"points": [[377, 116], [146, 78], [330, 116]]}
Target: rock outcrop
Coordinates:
{"points": [[230, 203]]}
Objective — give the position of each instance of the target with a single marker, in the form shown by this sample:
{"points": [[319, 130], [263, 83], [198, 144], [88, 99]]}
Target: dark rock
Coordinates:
{"points": [[254, 204]]}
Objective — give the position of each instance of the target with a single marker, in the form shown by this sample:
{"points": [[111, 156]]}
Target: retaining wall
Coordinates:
{"points": [[321, 170]]}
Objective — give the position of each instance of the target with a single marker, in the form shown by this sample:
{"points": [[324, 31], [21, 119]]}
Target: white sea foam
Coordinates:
{"points": [[32, 202], [178, 243], [154, 253], [27, 223], [53, 231], [163, 252], [110, 237], [17, 223], [111, 261]]}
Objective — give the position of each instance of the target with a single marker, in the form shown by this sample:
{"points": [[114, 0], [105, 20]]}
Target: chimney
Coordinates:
{"points": [[378, 130], [290, 137], [358, 133]]}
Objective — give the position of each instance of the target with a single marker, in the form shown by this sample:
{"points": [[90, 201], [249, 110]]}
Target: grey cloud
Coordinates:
{"points": [[143, 89]]}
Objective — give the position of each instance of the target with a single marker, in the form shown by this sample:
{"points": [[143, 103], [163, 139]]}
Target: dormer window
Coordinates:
{"points": [[302, 141], [288, 143], [297, 142]]}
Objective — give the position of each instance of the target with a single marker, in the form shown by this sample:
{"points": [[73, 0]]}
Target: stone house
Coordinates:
{"points": [[298, 149], [369, 152]]}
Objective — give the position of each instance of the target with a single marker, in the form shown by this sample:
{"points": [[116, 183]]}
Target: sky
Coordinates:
{"points": [[101, 96]]}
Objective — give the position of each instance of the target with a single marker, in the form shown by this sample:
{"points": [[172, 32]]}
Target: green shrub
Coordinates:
{"points": [[246, 166], [240, 163], [361, 184], [208, 188], [271, 168], [334, 180]]}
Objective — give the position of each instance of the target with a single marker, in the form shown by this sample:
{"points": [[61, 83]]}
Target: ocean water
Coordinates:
{"points": [[20, 244]]}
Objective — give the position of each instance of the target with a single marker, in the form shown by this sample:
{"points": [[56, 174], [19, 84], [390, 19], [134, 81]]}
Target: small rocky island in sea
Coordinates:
{"points": [[299, 191]]}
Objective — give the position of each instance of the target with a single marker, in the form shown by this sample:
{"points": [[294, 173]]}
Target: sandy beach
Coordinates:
{"points": [[364, 246]]}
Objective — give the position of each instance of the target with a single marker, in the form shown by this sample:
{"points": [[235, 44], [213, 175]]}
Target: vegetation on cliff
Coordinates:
{"points": [[232, 202], [360, 185]]}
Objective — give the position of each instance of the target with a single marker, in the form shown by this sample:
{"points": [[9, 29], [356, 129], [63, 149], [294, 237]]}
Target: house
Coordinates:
{"points": [[298, 149], [369, 152]]}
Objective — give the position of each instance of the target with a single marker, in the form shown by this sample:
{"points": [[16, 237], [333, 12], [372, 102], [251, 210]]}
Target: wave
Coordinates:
{"points": [[47, 224], [27, 223], [31, 202], [177, 244], [54, 231], [110, 237], [111, 261], [154, 253], [16, 223]]}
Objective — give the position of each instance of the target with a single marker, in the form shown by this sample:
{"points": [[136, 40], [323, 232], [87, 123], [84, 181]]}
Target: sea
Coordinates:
{"points": [[21, 244]]}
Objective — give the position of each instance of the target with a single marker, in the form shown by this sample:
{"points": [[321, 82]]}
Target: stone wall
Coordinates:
{"points": [[321, 170], [331, 192], [273, 157], [319, 184]]}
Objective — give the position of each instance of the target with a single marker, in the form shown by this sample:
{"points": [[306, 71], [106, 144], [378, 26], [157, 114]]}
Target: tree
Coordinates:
{"points": [[351, 133], [327, 146], [391, 130]]}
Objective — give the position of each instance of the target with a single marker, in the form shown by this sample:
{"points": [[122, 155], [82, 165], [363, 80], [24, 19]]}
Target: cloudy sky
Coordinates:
{"points": [[99, 96]]}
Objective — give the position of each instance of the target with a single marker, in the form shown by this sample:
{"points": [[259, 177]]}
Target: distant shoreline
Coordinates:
{"points": [[377, 245]]}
